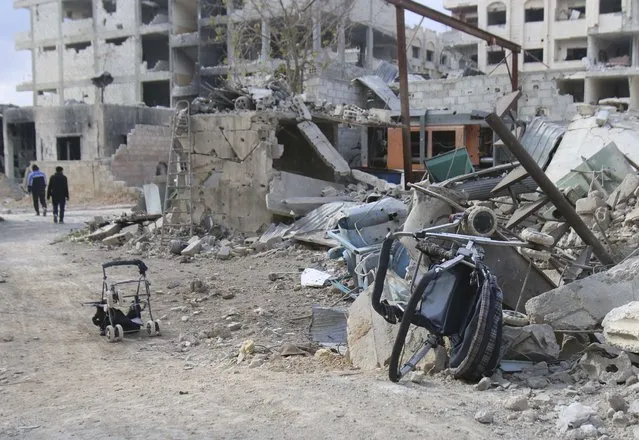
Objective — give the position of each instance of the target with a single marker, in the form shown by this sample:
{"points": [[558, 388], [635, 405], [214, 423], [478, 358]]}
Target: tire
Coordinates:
{"points": [[110, 333], [396, 360], [150, 328], [157, 327], [119, 332], [515, 319]]}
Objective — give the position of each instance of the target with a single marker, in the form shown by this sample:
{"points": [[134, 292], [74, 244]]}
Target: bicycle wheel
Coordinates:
{"points": [[404, 359]]}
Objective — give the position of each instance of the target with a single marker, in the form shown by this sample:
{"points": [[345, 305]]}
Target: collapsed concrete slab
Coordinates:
{"points": [[118, 239], [583, 304], [105, 231], [322, 146], [621, 327]]}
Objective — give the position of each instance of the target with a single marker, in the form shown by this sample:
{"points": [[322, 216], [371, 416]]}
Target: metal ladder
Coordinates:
{"points": [[177, 213]]}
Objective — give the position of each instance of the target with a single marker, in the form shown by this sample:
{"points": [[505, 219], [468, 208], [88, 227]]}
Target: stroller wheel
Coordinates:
{"points": [[110, 333], [157, 327], [150, 328], [119, 332]]}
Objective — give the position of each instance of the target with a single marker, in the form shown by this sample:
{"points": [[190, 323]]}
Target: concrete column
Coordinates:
{"points": [[60, 43], [9, 170], [33, 62], [369, 47], [138, 52], [590, 91], [634, 53], [266, 40], [317, 28], [341, 42], [364, 146], [592, 49], [634, 92]]}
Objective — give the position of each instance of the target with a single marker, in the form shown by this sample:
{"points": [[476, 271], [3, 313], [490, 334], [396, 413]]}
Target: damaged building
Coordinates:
{"points": [[162, 51], [591, 47]]}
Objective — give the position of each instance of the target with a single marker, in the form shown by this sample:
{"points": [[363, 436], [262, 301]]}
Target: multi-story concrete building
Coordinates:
{"points": [[595, 42], [161, 51]]}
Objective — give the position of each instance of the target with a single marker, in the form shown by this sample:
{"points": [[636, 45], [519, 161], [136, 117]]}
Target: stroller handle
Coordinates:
{"points": [[139, 263]]}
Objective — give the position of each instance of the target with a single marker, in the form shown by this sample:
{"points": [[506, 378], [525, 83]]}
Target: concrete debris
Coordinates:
{"points": [[583, 304], [105, 231], [604, 367], [575, 415], [117, 239], [193, 247], [535, 342], [518, 403], [484, 417], [621, 327], [616, 402]]}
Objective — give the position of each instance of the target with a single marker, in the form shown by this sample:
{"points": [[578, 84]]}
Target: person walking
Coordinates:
{"points": [[58, 192], [36, 185]]}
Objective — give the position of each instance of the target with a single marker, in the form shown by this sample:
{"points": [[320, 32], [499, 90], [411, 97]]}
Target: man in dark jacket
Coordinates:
{"points": [[36, 185], [58, 191]]}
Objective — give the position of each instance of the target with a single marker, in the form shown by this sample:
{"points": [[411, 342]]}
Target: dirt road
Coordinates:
{"points": [[59, 379]]}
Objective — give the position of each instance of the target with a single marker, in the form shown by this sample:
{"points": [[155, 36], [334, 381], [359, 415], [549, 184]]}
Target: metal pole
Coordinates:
{"points": [[403, 94], [515, 78], [555, 196]]}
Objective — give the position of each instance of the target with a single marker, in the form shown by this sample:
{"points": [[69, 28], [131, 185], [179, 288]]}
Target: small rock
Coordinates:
{"points": [[617, 402], [274, 276], [518, 403], [234, 326], [185, 318], [257, 362], [537, 383], [485, 417], [632, 380], [416, 377], [611, 412], [176, 246], [484, 384], [620, 419], [228, 295], [574, 415], [224, 253], [633, 409]]}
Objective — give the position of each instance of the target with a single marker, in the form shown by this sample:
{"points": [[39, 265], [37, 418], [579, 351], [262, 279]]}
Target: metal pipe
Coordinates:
{"points": [[515, 77], [455, 23], [555, 196], [403, 94]]}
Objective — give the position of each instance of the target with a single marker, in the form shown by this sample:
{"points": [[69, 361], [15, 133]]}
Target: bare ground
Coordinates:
{"points": [[60, 379]]}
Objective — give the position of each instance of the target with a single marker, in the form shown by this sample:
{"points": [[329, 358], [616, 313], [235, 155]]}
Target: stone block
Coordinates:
{"points": [[583, 304], [621, 327], [105, 231], [588, 205], [626, 189], [118, 239]]}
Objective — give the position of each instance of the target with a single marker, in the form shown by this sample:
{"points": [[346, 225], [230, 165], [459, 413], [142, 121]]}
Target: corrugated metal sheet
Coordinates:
{"points": [[540, 140], [319, 220], [381, 89]]}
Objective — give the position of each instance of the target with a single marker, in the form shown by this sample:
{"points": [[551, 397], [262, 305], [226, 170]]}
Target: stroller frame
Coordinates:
{"points": [[112, 297]]}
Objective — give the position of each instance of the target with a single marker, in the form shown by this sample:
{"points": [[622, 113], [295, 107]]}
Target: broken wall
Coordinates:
{"points": [[138, 161], [540, 95], [233, 167], [89, 180], [122, 18], [335, 91], [68, 120], [120, 120]]}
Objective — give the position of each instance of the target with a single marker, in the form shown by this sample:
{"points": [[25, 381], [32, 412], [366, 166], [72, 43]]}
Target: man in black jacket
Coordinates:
{"points": [[58, 191], [37, 185]]}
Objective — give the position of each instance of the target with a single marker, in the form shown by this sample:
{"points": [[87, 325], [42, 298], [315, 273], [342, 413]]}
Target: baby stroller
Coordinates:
{"points": [[112, 321]]}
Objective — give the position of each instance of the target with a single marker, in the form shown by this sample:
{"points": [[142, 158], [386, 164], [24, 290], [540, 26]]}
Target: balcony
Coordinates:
{"points": [[609, 23], [566, 29]]}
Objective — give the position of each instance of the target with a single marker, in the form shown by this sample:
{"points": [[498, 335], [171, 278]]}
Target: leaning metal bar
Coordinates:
{"points": [[549, 188], [402, 63]]}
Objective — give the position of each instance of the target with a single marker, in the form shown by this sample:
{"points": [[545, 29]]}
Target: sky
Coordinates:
{"points": [[16, 65]]}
